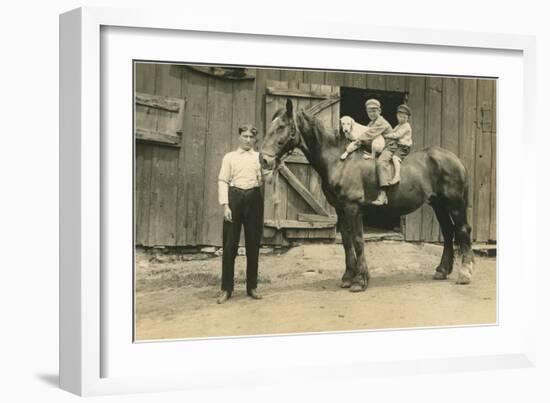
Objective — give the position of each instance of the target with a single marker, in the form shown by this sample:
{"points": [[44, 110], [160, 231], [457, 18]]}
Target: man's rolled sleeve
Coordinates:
{"points": [[223, 181], [223, 190]]}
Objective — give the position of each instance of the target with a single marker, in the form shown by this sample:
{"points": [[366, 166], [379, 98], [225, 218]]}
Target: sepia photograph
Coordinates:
{"points": [[277, 201]]}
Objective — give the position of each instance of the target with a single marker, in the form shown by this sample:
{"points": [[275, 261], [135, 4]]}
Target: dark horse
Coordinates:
{"points": [[433, 175]]}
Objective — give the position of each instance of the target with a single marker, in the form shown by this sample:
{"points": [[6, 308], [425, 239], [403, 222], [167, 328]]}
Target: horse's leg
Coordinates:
{"points": [[462, 234], [354, 218], [447, 228], [347, 242]]}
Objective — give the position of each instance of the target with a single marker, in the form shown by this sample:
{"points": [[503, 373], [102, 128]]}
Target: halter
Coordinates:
{"points": [[293, 144], [297, 132]]}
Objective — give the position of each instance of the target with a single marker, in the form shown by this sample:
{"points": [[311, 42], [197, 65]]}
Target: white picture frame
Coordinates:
{"points": [[84, 197]]}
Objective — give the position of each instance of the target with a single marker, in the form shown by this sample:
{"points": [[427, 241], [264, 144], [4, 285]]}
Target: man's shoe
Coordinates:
{"points": [[224, 296], [253, 294]]}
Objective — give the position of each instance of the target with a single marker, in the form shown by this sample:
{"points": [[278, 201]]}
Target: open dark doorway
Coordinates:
{"points": [[352, 103]]}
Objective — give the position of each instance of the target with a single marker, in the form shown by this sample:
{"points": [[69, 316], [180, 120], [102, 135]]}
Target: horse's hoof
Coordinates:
{"points": [[357, 288], [465, 273], [345, 284], [440, 276]]}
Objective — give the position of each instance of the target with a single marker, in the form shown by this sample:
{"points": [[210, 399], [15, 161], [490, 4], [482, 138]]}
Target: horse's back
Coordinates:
{"points": [[438, 171], [424, 174]]}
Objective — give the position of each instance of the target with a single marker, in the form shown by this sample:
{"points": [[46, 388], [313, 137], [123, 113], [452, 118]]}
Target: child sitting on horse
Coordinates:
{"points": [[378, 126], [402, 135], [398, 145], [354, 130]]}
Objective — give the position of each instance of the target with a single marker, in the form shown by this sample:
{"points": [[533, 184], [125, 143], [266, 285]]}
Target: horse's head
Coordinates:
{"points": [[281, 137]]}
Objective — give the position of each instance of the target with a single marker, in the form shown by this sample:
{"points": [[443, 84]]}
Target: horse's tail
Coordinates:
{"points": [[450, 180], [466, 190], [463, 229]]}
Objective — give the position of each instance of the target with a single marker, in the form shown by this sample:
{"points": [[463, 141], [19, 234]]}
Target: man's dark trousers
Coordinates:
{"points": [[247, 209]]}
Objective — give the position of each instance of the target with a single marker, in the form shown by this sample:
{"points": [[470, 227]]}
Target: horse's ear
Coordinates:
{"points": [[289, 107]]}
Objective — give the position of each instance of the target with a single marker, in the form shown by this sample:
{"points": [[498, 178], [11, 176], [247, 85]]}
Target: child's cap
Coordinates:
{"points": [[404, 108], [372, 103]]}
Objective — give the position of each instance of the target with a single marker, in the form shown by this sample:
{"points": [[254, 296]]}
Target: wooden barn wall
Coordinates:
{"points": [[176, 188]]}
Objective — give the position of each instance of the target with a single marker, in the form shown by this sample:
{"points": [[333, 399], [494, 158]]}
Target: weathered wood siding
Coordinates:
{"points": [[176, 188]]}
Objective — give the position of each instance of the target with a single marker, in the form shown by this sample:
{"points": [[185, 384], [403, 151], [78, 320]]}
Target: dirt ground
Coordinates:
{"points": [[177, 299]]}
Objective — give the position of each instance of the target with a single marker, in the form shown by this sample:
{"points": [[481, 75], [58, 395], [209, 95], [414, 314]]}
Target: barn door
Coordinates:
{"points": [[302, 211], [158, 130]]}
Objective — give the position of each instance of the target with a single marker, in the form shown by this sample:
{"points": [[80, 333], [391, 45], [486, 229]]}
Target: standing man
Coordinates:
{"points": [[239, 193]]}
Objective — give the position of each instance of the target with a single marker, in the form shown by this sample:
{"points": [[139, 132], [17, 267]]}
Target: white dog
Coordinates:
{"points": [[353, 131]]}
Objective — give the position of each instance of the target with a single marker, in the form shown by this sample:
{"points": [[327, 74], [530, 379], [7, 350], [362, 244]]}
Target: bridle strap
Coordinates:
{"points": [[297, 131], [275, 177], [276, 197]]}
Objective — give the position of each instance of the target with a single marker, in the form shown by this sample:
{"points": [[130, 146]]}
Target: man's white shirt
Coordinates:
{"points": [[239, 169]]}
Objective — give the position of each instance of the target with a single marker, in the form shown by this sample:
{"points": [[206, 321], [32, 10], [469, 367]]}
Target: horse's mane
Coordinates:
{"points": [[322, 134]]}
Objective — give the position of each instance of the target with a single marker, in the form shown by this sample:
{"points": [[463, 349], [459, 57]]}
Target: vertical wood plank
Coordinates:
{"points": [[326, 115], [144, 82], [244, 94], [335, 112], [376, 81], [293, 77], [218, 143], [430, 226], [467, 131], [493, 227], [259, 102], [483, 159], [396, 83], [146, 118], [183, 199], [144, 156], [193, 155], [162, 228], [169, 81], [262, 76], [145, 77], [417, 97], [334, 78], [314, 76], [449, 122], [356, 80]]}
